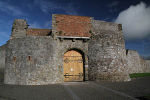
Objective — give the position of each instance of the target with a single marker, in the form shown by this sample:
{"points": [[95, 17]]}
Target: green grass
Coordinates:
{"points": [[147, 96], [136, 75]]}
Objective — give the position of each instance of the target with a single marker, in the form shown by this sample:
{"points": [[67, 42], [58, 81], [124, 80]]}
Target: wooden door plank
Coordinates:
{"points": [[73, 66]]}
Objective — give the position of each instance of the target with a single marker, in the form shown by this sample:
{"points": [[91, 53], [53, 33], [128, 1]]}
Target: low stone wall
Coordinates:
{"points": [[133, 59], [136, 64], [146, 65]]}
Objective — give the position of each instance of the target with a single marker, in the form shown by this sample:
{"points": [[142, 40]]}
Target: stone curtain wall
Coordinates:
{"points": [[136, 64], [146, 65], [2, 60], [107, 52], [32, 61]]}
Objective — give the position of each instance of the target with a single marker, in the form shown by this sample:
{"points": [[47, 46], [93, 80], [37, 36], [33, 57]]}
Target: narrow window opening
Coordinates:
{"points": [[127, 52], [29, 58], [14, 59], [120, 27]]}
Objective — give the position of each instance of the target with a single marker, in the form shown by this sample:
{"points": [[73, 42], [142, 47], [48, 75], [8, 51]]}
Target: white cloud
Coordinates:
{"points": [[35, 25], [53, 6], [135, 21], [9, 9]]}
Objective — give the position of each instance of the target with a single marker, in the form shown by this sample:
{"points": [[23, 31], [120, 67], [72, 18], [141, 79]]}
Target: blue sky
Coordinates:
{"points": [[133, 14]]}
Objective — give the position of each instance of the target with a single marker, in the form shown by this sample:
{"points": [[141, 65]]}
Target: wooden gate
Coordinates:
{"points": [[73, 66]]}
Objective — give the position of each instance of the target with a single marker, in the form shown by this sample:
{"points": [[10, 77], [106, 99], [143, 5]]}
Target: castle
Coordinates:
{"points": [[77, 48]]}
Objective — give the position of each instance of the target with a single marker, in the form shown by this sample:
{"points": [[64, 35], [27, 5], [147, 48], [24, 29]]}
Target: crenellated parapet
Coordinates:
{"points": [[19, 28]]}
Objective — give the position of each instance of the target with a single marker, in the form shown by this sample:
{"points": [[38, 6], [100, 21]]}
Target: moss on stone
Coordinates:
{"points": [[136, 75]]}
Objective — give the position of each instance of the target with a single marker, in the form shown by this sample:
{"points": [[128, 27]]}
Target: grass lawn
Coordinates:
{"points": [[136, 75], [147, 96]]}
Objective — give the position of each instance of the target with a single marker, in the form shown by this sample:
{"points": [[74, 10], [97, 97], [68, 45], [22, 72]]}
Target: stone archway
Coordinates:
{"points": [[73, 65]]}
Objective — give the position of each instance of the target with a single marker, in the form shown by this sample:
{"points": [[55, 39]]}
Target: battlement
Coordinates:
{"points": [[19, 28], [38, 32], [64, 26]]}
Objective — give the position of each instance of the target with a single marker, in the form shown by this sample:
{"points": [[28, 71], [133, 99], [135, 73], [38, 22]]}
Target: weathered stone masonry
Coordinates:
{"points": [[2, 59], [32, 61], [136, 64], [35, 60], [107, 52], [35, 56], [70, 30]]}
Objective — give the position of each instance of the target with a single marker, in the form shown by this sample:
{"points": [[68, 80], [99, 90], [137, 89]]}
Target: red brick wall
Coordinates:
{"points": [[68, 25], [38, 32]]}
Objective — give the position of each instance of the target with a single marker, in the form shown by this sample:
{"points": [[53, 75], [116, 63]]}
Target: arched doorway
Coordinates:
{"points": [[73, 66]]}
